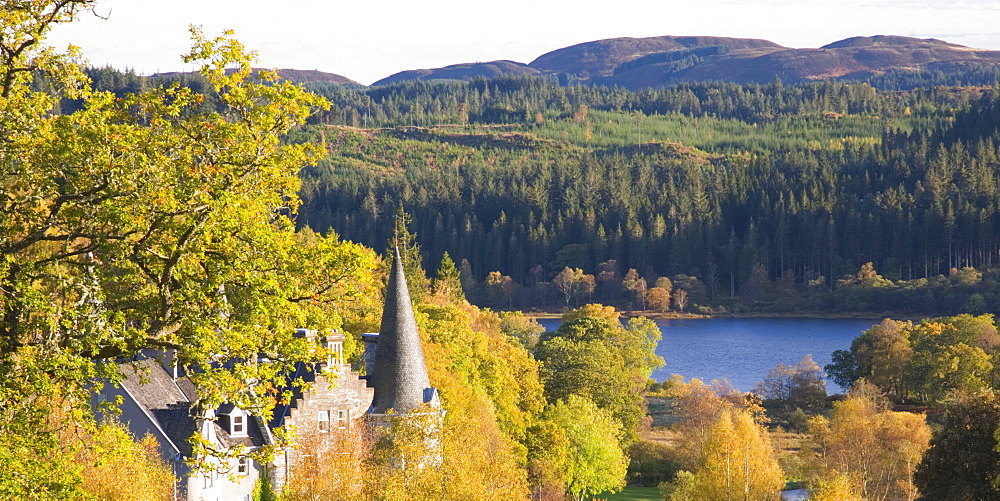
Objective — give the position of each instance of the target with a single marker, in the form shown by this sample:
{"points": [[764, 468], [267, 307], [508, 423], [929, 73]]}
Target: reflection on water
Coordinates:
{"points": [[743, 350]]}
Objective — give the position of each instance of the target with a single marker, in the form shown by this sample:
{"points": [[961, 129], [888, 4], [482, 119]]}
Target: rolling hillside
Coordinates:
{"points": [[636, 63]]}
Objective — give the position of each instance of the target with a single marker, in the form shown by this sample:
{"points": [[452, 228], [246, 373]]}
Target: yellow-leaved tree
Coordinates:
{"points": [[877, 449], [116, 466], [837, 488], [738, 462], [160, 219], [332, 465]]}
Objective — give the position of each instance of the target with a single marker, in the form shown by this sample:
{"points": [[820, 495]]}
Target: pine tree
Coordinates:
{"points": [[409, 251], [448, 281]]}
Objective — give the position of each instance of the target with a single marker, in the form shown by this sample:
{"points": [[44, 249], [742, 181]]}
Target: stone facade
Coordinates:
{"points": [[342, 397], [163, 403]]}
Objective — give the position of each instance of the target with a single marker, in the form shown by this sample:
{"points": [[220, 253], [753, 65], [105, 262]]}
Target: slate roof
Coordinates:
{"points": [[153, 387], [170, 402], [254, 436], [399, 375]]}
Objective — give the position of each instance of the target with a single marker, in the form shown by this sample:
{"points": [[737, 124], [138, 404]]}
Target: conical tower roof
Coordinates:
{"points": [[399, 375]]}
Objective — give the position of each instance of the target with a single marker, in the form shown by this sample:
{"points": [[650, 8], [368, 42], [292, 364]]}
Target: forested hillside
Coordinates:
{"points": [[163, 214], [749, 188], [750, 197]]}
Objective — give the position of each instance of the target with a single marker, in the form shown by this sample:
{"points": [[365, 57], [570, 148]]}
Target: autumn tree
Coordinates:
{"points": [[838, 488], [500, 290], [118, 466], [658, 299], [659, 295], [867, 272], [331, 464], [651, 462], [797, 386], [469, 359], [637, 286], [878, 449], [737, 462], [522, 328], [946, 358], [160, 219], [574, 284], [664, 283], [881, 355], [680, 299], [924, 361], [697, 406], [884, 354], [866, 277], [548, 460], [406, 456]]}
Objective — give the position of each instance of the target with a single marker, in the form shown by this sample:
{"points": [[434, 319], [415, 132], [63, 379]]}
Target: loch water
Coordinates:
{"points": [[743, 350]]}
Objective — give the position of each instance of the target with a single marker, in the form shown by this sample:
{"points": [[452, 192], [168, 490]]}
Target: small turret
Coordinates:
{"points": [[398, 373]]}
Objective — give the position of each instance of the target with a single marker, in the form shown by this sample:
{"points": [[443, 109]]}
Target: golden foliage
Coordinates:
{"points": [[837, 488], [877, 450], [116, 467], [698, 407], [738, 461], [330, 465]]}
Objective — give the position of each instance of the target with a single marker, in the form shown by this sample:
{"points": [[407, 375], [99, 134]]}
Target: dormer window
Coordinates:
{"points": [[233, 420], [239, 426], [324, 421]]}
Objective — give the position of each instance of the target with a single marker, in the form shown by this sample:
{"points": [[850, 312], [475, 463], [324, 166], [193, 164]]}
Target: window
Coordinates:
{"points": [[243, 466], [238, 427], [324, 420], [342, 418]]}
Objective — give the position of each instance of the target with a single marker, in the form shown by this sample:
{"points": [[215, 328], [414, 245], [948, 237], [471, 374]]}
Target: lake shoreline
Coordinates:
{"points": [[654, 315], [744, 350]]}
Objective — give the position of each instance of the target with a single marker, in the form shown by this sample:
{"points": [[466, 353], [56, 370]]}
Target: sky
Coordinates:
{"points": [[366, 40]]}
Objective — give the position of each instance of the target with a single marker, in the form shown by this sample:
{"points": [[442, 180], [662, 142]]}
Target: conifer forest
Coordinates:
{"points": [[220, 243]]}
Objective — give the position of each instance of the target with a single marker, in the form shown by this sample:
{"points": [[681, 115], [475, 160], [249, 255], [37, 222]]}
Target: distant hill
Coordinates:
{"points": [[313, 76], [855, 58], [299, 76], [890, 40], [657, 61], [465, 71], [600, 58]]}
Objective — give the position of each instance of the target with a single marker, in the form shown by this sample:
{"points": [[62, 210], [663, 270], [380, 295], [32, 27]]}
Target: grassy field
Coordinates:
{"points": [[633, 494]]}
